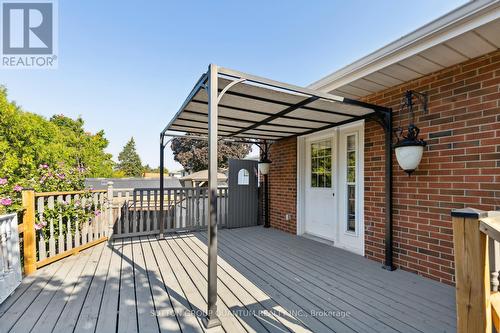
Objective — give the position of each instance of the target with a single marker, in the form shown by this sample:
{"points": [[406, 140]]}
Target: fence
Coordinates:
{"points": [[137, 212], [478, 303], [10, 266], [58, 224]]}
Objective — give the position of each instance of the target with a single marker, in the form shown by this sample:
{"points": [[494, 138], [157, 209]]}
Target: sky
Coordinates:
{"points": [[126, 66]]}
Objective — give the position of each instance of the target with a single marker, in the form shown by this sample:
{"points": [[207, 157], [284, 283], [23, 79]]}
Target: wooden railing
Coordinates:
{"points": [[58, 224], [10, 265], [477, 306], [51, 232], [137, 212]]}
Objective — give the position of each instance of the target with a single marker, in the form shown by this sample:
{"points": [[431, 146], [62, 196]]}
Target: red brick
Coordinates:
{"points": [[460, 167]]}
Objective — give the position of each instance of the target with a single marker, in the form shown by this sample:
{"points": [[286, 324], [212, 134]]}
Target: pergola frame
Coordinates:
{"points": [[210, 82]]}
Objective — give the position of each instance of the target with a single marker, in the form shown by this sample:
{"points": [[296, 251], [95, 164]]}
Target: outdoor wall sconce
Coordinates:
{"points": [[264, 166], [409, 148]]}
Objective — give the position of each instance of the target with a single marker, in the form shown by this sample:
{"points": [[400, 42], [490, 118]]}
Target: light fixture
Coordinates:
{"points": [[409, 148], [264, 166]]}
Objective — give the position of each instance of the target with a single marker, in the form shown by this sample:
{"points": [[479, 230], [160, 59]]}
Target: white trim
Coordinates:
{"points": [[459, 21], [344, 132], [301, 181]]}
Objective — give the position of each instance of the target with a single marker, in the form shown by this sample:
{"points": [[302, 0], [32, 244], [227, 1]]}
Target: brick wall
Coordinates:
{"points": [[283, 185], [460, 166]]}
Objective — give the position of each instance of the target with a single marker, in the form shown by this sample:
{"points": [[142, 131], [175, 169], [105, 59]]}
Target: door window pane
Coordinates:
{"points": [[351, 208], [351, 182], [243, 177], [321, 164]]}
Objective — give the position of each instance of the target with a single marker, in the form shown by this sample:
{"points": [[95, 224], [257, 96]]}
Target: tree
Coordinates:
{"points": [[87, 148], [129, 161], [192, 153], [47, 155]]}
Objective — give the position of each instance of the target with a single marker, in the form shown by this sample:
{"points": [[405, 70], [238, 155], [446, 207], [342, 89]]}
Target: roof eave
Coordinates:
{"points": [[465, 18]]}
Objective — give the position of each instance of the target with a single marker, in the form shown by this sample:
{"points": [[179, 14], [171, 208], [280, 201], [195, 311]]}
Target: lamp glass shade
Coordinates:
{"points": [[409, 157], [264, 167]]}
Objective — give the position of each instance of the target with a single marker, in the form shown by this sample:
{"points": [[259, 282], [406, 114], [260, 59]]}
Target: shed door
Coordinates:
{"points": [[243, 193]]}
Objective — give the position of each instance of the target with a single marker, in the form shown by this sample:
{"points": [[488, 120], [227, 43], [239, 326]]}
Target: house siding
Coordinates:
{"points": [[460, 167]]}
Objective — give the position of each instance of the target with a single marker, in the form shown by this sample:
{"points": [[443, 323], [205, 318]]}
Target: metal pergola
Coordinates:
{"points": [[230, 105]]}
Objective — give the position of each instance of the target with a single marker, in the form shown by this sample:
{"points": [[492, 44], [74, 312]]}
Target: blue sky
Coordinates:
{"points": [[126, 66]]}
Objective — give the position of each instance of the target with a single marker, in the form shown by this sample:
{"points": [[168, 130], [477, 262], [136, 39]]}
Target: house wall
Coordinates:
{"points": [[460, 167], [283, 185]]}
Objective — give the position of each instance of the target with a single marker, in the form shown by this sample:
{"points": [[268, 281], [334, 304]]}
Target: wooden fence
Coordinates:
{"points": [[10, 265], [137, 212], [58, 224], [474, 233]]}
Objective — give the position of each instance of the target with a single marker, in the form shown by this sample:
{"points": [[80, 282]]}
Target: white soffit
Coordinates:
{"points": [[467, 32]]}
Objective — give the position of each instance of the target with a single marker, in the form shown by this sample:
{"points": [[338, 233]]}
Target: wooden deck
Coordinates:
{"points": [[269, 281]]}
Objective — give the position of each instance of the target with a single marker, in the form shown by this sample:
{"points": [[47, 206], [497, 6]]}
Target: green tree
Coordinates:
{"points": [[192, 153], [87, 149], [31, 145], [129, 161]]}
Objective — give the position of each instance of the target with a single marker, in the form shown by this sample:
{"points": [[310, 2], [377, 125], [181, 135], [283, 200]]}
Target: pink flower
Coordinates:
{"points": [[18, 188], [3, 181], [38, 226], [61, 175], [6, 201], [44, 166], [97, 213]]}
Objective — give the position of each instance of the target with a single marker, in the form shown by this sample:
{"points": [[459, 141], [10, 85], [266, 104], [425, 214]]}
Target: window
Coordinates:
{"points": [[243, 177], [321, 164], [351, 182]]}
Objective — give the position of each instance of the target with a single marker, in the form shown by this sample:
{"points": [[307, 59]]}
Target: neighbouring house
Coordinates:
{"points": [[200, 179], [455, 60], [130, 183], [178, 173]]}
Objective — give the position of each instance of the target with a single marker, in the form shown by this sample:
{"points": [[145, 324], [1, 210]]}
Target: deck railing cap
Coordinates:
{"points": [[469, 213]]}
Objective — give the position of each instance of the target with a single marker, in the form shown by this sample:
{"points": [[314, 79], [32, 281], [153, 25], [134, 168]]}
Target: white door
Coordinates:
{"points": [[320, 184], [331, 186]]}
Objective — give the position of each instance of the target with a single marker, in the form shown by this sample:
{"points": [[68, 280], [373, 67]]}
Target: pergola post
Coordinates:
{"points": [[388, 263], [162, 185], [212, 317]]}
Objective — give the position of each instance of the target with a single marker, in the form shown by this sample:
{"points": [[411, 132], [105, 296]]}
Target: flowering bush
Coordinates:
{"points": [[77, 211], [45, 179]]}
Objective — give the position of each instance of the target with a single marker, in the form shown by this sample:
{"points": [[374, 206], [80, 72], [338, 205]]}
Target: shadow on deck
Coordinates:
{"points": [[269, 281]]}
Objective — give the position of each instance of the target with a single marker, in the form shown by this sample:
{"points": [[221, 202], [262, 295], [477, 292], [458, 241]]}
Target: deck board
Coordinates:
{"points": [[394, 310], [89, 312], [268, 281]]}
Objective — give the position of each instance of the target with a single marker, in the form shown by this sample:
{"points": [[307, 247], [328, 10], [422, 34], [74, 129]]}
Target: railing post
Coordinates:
{"points": [[472, 273], [110, 210], [29, 236]]}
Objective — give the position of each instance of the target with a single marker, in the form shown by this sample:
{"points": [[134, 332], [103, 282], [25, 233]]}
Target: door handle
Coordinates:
{"points": [[333, 194]]}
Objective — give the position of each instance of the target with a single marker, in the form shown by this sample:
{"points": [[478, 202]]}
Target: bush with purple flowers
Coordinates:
{"points": [[46, 178]]}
